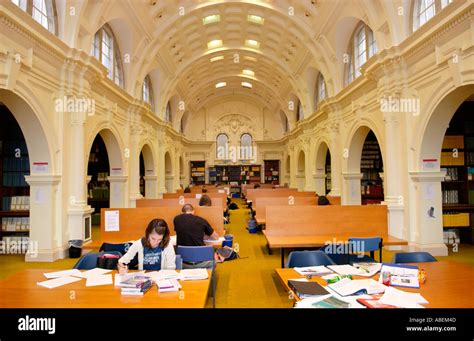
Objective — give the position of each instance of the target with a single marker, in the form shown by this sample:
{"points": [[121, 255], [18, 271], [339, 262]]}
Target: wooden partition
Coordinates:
{"points": [[133, 221], [261, 204], [215, 197], [276, 192], [245, 187], [176, 202], [333, 220]]}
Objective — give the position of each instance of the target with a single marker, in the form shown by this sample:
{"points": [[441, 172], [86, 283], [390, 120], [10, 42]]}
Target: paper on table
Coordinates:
{"points": [[368, 269], [194, 274], [98, 280], [165, 274], [112, 221], [346, 269], [346, 286], [313, 270], [93, 272], [57, 282], [63, 273], [402, 299], [121, 278], [220, 240]]}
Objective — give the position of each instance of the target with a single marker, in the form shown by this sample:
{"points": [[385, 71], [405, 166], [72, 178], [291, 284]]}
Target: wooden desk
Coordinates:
{"points": [[298, 242], [21, 291], [448, 284]]}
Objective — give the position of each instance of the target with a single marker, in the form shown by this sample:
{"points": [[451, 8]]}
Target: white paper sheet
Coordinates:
{"points": [[194, 274], [368, 269], [94, 272], [165, 274], [313, 270], [57, 282], [402, 299], [93, 281], [112, 221], [346, 286], [346, 269], [63, 273]]}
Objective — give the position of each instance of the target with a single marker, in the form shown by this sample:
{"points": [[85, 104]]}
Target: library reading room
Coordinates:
{"points": [[293, 156]]}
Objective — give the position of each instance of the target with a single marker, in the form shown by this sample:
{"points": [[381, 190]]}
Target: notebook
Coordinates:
{"points": [[346, 287], [306, 289]]}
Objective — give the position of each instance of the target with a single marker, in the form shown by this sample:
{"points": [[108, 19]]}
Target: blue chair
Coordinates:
{"points": [[122, 248], [179, 262], [89, 260], [362, 245], [198, 254], [413, 257], [228, 240], [308, 258], [336, 257]]}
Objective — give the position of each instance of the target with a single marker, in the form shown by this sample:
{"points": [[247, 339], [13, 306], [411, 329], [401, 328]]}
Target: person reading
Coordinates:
{"points": [[155, 252]]}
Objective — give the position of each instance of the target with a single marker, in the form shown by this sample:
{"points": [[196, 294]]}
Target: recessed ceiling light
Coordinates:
{"points": [[211, 19], [215, 59], [214, 44], [252, 59], [256, 19], [252, 43], [248, 73], [247, 85], [220, 85]]}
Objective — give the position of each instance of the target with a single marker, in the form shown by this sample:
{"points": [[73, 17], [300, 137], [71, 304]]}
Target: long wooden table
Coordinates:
{"points": [[299, 242], [448, 284], [21, 291]]}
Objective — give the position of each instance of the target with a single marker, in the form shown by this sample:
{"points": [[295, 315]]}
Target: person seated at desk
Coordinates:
{"points": [[187, 190], [155, 252], [192, 230], [323, 200], [205, 200]]}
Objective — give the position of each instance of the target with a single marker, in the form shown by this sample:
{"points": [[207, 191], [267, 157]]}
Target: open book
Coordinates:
{"points": [[346, 287]]}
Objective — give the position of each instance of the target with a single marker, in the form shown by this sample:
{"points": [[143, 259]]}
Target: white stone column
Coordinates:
{"points": [[78, 209], [48, 242], [392, 176], [426, 214], [176, 172], [134, 166], [151, 186], [319, 180], [118, 193], [309, 183], [336, 157], [161, 168], [351, 189], [293, 170]]}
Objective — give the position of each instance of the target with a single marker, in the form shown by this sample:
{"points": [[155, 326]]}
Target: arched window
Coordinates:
{"points": [[246, 146], [147, 92], [362, 46], [105, 48], [424, 10], [43, 11], [221, 146], [168, 112], [320, 90], [299, 112]]}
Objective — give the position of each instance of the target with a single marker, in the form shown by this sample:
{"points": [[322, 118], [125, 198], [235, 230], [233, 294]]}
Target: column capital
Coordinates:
{"points": [[352, 176], [42, 180], [427, 176], [117, 178]]}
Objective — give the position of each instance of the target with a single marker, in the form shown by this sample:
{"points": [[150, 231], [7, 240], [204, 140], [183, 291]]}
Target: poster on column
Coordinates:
{"points": [[112, 221]]}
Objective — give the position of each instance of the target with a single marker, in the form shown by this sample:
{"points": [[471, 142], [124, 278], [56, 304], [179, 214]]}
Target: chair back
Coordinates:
{"points": [[89, 260], [179, 262], [371, 245], [196, 253], [413, 257], [122, 248], [308, 258]]}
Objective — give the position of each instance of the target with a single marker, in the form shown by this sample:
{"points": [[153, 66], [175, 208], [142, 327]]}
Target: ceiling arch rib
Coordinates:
{"points": [[183, 45]]}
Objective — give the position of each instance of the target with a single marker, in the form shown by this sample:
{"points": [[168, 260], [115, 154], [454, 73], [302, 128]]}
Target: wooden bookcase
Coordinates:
{"points": [[14, 191], [272, 172], [198, 172]]}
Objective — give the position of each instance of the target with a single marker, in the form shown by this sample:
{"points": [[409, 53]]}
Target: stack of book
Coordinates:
{"points": [[137, 285]]}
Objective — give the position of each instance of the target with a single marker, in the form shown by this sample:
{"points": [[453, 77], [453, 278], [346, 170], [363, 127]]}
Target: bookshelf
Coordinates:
{"points": [[142, 175], [327, 167], [198, 172], [235, 174], [98, 194], [272, 172], [457, 160], [14, 191], [371, 166]]}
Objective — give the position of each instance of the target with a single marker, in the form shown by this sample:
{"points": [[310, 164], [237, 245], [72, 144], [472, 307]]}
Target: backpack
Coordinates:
{"points": [[107, 261], [225, 253]]}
